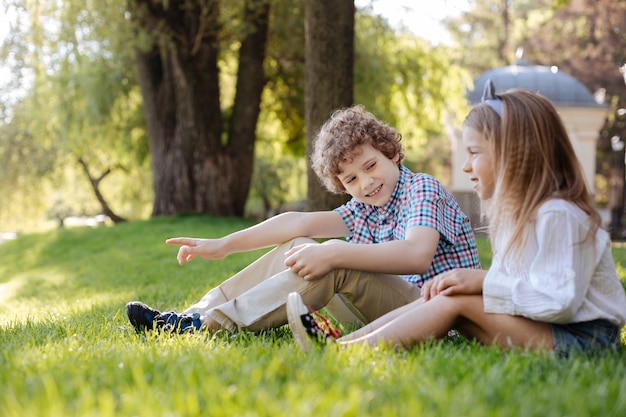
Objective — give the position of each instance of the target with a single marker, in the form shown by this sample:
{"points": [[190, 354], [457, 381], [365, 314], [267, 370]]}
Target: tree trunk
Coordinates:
{"points": [[194, 169], [329, 78]]}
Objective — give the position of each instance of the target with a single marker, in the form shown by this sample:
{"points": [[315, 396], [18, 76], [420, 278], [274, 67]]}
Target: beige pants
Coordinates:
{"points": [[255, 298]]}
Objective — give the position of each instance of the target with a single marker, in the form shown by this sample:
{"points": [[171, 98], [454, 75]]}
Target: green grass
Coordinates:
{"points": [[67, 349]]}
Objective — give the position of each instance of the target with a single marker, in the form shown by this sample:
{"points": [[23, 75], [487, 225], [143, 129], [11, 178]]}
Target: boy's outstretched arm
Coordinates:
{"points": [[271, 232]]}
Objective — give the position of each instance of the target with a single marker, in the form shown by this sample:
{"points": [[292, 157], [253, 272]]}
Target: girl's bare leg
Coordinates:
{"points": [[420, 321], [381, 321]]}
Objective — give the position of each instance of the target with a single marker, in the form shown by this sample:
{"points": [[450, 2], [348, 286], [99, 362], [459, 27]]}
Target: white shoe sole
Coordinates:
{"points": [[294, 313]]}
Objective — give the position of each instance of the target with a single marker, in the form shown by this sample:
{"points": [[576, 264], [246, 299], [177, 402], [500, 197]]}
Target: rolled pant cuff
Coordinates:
{"points": [[223, 320]]}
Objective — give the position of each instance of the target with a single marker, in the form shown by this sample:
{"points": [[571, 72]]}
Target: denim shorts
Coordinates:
{"points": [[589, 337]]}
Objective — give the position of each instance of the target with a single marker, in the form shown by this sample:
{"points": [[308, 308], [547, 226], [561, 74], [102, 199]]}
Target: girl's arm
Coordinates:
{"points": [[560, 267]]}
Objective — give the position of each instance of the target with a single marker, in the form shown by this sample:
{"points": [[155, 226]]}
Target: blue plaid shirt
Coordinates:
{"points": [[418, 200]]}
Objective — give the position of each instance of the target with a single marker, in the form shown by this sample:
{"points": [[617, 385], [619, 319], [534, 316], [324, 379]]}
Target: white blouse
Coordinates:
{"points": [[563, 277]]}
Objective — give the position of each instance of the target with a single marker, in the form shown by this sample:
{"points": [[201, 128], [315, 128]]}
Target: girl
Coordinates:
{"points": [[552, 284]]}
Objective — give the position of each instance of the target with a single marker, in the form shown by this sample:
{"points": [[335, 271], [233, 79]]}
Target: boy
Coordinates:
{"points": [[401, 230]]}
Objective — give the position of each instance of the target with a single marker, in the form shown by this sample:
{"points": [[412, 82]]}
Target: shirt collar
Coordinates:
{"points": [[390, 209]]}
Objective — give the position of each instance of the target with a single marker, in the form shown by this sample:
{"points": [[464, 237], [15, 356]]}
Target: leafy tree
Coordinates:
{"points": [[398, 77], [587, 39], [72, 97], [282, 107], [88, 91], [201, 158], [82, 101], [279, 180], [411, 86], [584, 38]]}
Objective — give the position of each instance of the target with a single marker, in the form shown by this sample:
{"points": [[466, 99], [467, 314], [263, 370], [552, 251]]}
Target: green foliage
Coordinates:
{"points": [[80, 100], [68, 350], [73, 62], [411, 86], [397, 76], [489, 33], [283, 97], [560, 3], [583, 38], [278, 178]]}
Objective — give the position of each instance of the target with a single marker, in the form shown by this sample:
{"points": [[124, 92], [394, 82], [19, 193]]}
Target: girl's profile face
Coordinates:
{"points": [[479, 163], [370, 176]]}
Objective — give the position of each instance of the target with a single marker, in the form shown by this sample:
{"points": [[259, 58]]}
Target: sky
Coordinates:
{"points": [[419, 16]]}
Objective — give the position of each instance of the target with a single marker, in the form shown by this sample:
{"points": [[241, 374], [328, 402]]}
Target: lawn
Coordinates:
{"points": [[67, 349]]}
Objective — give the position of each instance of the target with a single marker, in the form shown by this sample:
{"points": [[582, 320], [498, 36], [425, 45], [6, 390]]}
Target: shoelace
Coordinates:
{"points": [[173, 321], [324, 325]]}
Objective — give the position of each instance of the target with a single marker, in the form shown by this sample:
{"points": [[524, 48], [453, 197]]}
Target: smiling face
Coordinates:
{"points": [[479, 164], [370, 176]]}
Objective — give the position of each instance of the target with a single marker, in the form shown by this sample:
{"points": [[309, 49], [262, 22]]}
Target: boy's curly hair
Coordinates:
{"points": [[339, 137]]}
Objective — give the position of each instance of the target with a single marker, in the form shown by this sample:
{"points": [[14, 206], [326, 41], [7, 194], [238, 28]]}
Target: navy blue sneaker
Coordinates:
{"points": [[181, 323], [141, 316]]}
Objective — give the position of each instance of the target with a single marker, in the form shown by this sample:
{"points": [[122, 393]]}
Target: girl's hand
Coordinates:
{"points": [[454, 282]]}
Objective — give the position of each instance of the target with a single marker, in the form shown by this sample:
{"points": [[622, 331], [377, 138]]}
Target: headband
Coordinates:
{"points": [[489, 97]]}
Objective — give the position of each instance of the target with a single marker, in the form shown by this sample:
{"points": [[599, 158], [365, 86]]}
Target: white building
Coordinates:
{"points": [[582, 115]]}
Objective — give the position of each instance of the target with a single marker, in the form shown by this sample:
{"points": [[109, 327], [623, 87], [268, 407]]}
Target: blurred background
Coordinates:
{"points": [[117, 110]]}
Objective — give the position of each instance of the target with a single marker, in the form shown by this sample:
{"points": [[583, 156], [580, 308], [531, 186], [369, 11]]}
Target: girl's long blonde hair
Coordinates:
{"points": [[533, 161]]}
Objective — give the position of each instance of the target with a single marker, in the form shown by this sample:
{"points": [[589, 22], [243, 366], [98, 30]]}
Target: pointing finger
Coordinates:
{"points": [[180, 241]]}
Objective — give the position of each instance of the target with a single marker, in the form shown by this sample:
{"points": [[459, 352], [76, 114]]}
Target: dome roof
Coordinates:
{"points": [[560, 88]]}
